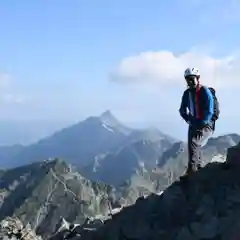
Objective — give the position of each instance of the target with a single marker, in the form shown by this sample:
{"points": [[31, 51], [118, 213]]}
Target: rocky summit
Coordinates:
{"points": [[13, 228], [206, 205]]}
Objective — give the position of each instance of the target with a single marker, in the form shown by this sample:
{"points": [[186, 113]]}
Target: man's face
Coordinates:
{"points": [[192, 81]]}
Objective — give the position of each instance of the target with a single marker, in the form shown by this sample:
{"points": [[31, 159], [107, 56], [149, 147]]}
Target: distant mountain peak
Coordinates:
{"points": [[107, 113], [109, 120], [108, 117]]}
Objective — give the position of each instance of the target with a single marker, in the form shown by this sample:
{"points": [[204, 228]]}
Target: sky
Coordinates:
{"points": [[67, 60]]}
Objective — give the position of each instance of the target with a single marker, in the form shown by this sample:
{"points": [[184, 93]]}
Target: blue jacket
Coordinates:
{"points": [[206, 105]]}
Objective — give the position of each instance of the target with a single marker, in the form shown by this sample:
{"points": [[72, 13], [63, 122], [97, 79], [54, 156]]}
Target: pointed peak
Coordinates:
{"points": [[110, 120], [108, 117], [107, 113]]}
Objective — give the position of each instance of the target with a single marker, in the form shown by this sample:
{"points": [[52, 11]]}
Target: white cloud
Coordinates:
{"points": [[165, 68]]}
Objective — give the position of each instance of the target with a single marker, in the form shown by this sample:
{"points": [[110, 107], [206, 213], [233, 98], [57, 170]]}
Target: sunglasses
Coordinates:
{"points": [[191, 78]]}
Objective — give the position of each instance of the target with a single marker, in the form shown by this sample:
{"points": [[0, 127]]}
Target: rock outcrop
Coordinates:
{"points": [[204, 206], [70, 231], [13, 228]]}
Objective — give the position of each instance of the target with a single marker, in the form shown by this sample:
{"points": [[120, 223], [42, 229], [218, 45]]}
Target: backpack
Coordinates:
{"points": [[216, 105]]}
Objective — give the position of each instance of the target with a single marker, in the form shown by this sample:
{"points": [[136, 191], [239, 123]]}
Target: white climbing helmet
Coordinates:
{"points": [[192, 72]]}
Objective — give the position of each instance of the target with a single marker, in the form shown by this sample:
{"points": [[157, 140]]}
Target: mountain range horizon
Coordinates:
{"points": [[26, 133], [93, 168]]}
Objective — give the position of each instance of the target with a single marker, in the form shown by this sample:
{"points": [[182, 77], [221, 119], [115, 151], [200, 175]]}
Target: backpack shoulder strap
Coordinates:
{"points": [[207, 89]]}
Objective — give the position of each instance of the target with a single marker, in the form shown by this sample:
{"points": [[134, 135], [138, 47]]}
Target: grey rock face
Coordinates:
{"points": [[204, 206], [41, 193]]}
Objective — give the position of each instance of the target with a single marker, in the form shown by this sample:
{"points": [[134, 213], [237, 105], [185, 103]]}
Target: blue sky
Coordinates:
{"points": [[57, 58]]}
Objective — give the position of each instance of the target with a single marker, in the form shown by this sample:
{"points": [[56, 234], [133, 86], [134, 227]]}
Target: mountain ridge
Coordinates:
{"points": [[204, 206], [78, 143], [114, 168], [40, 193], [43, 192]]}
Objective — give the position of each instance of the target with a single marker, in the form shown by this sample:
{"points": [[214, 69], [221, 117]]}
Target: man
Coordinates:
{"points": [[197, 109]]}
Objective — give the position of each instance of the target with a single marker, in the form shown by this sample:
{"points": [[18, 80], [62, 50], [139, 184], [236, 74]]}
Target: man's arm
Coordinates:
{"points": [[208, 106], [183, 108]]}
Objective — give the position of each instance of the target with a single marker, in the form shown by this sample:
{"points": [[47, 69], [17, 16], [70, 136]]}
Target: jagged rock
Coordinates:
{"points": [[66, 230], [204, 206], [12, 228], [41, 193]]}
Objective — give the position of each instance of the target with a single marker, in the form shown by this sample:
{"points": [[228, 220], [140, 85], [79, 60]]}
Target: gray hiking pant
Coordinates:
{"points": [[196, 139]]}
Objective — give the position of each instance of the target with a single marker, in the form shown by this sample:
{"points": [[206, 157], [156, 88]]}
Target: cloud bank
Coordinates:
{"points": [[166, 68]]}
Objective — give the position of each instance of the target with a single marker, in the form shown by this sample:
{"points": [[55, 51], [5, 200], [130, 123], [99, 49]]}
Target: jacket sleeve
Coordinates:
{"points": [[208, 106], [183, 107]]}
